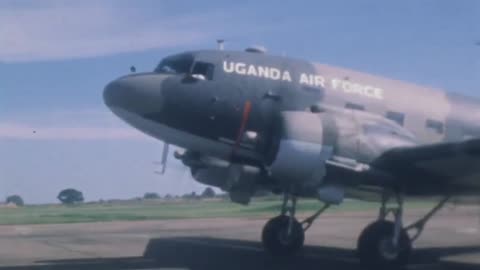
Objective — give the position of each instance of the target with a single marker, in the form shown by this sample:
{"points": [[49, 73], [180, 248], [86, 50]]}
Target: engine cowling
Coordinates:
{"points": [[303, 143], [301, 151], [307, 140]]}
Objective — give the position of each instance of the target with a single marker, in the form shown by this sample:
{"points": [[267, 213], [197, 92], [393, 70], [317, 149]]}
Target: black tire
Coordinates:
{"points": [[373, 250], [275, 240]]}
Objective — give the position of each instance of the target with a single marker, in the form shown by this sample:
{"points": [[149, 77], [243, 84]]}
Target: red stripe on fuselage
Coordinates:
{"points": [[247, 107]]}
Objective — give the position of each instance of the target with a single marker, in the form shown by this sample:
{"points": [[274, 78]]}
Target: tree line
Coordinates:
{"points": [[71, 196]]}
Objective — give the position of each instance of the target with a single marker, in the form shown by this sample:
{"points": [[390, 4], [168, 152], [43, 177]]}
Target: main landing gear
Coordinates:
{"points": [[284, 235], [387, 244], [383, 244]]}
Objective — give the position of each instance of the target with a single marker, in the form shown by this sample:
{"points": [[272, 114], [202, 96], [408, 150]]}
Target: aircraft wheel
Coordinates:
{"points": [[278, 241], [376, 249]]}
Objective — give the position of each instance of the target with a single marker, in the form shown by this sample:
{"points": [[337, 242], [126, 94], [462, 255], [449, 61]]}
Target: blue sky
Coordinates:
{"points": [[56, 57]]}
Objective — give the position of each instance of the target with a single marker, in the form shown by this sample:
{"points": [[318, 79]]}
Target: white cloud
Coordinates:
{"points": [[55, 30]]}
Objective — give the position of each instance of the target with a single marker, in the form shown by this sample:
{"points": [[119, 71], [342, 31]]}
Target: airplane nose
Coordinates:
{"points": [[115, 93], [136, 94]]}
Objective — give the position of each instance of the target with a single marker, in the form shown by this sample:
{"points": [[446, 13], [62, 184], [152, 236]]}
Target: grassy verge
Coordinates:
{"points": [[155, 210]]}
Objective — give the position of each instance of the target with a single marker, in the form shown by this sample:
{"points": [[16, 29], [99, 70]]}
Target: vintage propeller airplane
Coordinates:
{"points": [[249, 120]]}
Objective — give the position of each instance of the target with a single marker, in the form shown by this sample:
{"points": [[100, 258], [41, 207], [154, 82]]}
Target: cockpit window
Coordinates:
{"points": [[205, 69], [178, 64]]}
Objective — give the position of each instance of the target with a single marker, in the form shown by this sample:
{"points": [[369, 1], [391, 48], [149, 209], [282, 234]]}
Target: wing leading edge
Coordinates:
{"points": [[449, 167]]}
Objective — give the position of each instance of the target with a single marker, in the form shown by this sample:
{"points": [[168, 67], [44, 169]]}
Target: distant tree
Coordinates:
{"points": [[168, 197], [208, 193], [70, 196], [15, 199], [151, 196], [192, 195]]}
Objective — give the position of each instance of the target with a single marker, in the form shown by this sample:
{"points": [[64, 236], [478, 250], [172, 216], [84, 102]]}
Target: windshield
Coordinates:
{"points": [[177, 64]]}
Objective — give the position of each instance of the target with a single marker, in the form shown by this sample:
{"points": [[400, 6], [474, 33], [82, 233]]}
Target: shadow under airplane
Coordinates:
{"points": [[197, 253]]}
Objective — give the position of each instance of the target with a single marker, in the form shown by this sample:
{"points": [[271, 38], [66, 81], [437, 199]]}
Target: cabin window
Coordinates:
{"points": [[177, 64], [354, 106], [396, 117], [435, 125], [205, 69]]}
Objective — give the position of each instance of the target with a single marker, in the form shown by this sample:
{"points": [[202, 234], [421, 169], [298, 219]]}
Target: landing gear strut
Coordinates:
{"points": [[284, 234], [383, 244], [386, 244]]}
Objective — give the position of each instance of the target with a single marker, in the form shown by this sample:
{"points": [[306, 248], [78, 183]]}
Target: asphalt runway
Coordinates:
{"points": [[450, 241]]}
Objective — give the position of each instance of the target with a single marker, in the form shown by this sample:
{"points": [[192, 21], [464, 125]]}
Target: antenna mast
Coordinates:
{"points": [[220, 43]]}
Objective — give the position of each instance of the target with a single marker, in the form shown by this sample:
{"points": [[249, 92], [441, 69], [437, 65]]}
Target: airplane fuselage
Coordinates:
{"points": [[207, 114]]}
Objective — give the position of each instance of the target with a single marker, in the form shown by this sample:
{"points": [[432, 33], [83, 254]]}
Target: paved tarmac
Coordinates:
{"points": [[451, 241]]}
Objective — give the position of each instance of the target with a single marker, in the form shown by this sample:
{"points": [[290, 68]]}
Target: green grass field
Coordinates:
{"points": [[155, 210]]}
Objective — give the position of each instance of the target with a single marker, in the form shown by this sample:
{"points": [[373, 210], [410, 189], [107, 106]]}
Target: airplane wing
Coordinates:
{"points": [[436, 166]]}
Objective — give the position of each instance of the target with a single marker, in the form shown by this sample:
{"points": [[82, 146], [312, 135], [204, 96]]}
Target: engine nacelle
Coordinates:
{"points": [[239, 180], [307, 140], [301, 152]]}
